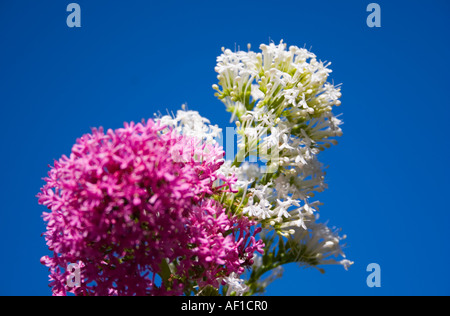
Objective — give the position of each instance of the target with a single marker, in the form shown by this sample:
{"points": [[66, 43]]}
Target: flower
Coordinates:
{"points": [[137, 202], [318, 245], [236, 286], [284, 118], [154, 209], [282, 103], [191, 124]]}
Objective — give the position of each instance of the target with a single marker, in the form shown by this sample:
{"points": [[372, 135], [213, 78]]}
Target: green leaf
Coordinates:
{"points": [[165, 272]]}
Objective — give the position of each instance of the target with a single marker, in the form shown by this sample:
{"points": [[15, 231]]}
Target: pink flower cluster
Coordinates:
{"points": [[130, 204]]}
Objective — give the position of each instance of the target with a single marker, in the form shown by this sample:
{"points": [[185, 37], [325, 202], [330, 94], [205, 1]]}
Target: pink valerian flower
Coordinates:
{"points": [[226, 244], [126, 201]]}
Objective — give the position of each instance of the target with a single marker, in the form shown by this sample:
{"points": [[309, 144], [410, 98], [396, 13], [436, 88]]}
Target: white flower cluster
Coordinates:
{"points": [[282, 103], [276, 78], [192, 124], [318, 245]]}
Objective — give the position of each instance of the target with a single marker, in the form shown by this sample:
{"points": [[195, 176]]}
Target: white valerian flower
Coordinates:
{"points": [[245, 173], [298, 217], [282, 101], [261, 210], [236, 285], [282, 209], [192, 124], [237, 72], [250, 171], [256, 93], [318, 245], [227, 169], [261, 207], [276, 78]]}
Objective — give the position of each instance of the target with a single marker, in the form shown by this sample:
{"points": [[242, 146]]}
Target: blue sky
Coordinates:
{"points": [[388, 177]]}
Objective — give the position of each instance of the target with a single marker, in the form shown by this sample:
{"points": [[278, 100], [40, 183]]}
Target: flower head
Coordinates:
{"points": [[138, 202], [318, 245], [282, 101]]}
